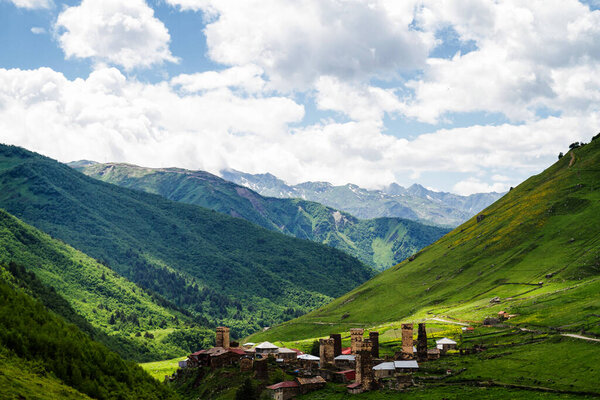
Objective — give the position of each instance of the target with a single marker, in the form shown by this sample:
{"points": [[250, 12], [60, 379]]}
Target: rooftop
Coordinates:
{"points": [[313, 380], [308, 357], [266, 346], [445, 341], [284, 384], [347, 357]]}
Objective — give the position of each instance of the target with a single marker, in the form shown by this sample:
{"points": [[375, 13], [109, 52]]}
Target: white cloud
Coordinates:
{"points": [[107, 117], [295, 42], [33, 4], [525, 51], [38, 30], [359, 102], [124, 33], [473, 185], [248, 78]]}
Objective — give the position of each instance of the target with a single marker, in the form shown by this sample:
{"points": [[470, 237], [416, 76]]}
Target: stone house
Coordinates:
{"points": [[284, 390]]}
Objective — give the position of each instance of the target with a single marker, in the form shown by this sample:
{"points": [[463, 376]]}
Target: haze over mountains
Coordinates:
{"points": [[415, 202], [379, 242]]}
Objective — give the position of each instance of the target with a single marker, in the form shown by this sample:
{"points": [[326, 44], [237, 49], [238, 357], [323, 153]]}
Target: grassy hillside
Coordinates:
{"points": [[381, 242], [52, 353], [100, 302], [21, 379], [537, 250], [220, 269]]}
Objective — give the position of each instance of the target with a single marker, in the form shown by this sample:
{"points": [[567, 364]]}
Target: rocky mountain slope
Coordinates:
{"points": [[416, 202]]}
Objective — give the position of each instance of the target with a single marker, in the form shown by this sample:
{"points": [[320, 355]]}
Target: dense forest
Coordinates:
{"points": [[41, 338]]}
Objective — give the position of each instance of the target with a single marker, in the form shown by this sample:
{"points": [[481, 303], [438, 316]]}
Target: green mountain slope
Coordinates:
{"points": [[534, 253], [87, 293], [415, 202], [381, 242], [51, 354], [221, 269]]}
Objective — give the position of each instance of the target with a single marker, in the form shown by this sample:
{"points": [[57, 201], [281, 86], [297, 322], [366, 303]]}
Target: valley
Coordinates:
{"points": [[379, 242]]}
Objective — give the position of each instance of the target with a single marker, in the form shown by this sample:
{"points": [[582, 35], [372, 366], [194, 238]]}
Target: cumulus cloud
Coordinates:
{"points": [[107, 117], [33, 4], [295, 42], [474, 185], [359, 102], [247, 78], [525, 51], [124, 33]]}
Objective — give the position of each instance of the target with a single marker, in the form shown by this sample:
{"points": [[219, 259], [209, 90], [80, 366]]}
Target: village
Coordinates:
{"points": [[359, 367]]}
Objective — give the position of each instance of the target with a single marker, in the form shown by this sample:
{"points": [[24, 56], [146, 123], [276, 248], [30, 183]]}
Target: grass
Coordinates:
{"points": [[338, 392], [159, 369], [545, 230], [18, 380]]}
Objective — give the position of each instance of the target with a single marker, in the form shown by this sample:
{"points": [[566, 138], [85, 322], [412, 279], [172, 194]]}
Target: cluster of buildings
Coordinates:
{"points": [[359, 366]]}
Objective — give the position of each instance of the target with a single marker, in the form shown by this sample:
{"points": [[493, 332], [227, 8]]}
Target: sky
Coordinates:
{"points": [[463, 96]]}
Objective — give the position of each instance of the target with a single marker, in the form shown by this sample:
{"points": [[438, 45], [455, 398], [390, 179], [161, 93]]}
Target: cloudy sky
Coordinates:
{"points": [[458, 95]]}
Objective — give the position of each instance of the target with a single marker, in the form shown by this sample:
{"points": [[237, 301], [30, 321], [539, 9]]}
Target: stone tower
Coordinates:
{"points": [[407, 341], [422, 343], [326, 352], [356, 336], [364, 364], [337, 344], [374, 338], [222, 337]]}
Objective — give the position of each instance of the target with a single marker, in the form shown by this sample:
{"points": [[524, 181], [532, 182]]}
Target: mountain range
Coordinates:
{"points": [[415, 202], [380, 242], [218, 269]]}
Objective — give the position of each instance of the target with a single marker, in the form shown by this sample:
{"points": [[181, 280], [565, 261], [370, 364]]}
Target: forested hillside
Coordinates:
{"points": [[41, 355], [381, 242], [535, 253], [218, 268], [101, 303]]}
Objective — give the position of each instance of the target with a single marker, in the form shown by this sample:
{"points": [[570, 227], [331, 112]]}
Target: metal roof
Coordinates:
{"points": [[445, 341], [266, 346], [384, 366], [308, 357], [346, 357], [391, 365], [406, 364]]}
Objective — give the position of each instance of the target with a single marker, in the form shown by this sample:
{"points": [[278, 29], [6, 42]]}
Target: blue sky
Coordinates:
{"points": [[462, 96]]}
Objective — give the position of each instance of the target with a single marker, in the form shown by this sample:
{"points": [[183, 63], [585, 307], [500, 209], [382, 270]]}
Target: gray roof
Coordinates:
{"points": [[308, 357], [266, 346], [445, 341], [392, 365], [384, 366], [406, 364], [346, 357]]}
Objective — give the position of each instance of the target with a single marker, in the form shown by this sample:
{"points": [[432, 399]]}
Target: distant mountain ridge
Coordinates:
{"points": [[415, 202], [380, 242]]}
